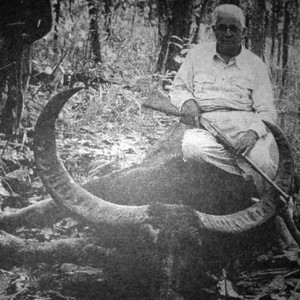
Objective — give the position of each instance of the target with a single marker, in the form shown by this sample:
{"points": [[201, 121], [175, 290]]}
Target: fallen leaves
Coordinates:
{"points": [[14, 285]]}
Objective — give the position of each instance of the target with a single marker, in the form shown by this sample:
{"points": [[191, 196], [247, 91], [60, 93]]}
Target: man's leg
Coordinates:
{"points": [[200, 145], [265, 155]]}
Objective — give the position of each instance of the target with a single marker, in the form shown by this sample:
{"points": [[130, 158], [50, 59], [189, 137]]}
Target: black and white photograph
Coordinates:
{"points": [[150, 150]]}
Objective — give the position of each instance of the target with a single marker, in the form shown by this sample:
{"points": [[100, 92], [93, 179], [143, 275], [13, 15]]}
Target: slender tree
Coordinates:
{"points": [[57, 9], [274, 26], [199, 16], [257, 32], [108, 5], [285, 44], [93, 6], [247, 38], [174, 28]]}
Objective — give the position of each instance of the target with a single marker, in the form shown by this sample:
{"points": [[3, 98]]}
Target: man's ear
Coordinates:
{"points": [[244, 32]]}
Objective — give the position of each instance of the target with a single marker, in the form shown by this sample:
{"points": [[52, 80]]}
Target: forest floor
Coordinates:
{"points": [[97, 134]]}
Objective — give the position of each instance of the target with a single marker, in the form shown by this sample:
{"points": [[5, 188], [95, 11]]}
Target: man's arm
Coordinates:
{"points": [[182, 86], [263, 101], [263, 105]]}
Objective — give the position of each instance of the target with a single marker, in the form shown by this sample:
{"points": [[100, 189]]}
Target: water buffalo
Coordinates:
{"points": [[161, 190]]}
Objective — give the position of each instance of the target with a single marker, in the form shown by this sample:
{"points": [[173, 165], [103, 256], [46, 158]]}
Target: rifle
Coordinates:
{"points": [[160, 101]]}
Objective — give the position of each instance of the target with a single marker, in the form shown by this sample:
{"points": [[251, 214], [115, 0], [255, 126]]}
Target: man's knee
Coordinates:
{"points": [[265, 154], [196, 144]]}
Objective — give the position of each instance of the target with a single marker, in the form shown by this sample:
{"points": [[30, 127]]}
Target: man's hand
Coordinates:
{"points": [[246, 142], [191, 110]]}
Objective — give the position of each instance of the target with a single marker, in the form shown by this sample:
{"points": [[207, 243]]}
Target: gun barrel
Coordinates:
{"points": [[226, 142], [266, 177]]}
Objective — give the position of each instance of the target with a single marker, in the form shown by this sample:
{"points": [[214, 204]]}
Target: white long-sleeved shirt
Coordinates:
{"points": [[237, 96]]}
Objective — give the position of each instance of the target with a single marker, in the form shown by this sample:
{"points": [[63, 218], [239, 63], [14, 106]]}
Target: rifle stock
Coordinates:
{"points": [[160, 101]]}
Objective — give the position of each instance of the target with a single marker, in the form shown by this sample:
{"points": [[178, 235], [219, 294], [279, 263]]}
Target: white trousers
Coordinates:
{"points": [[199, 144]]}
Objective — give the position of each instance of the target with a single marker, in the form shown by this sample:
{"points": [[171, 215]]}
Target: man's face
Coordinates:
{"points": [[229, 33]]}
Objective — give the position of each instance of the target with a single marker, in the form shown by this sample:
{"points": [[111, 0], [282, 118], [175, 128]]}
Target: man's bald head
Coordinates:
{"points": [[228, 11]]}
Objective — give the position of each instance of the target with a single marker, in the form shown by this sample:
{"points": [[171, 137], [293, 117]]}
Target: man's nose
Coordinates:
{"points": [[228, 31]]}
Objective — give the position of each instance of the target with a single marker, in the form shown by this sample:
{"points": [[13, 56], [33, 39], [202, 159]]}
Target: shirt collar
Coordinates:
{"points": [[240, 60]]}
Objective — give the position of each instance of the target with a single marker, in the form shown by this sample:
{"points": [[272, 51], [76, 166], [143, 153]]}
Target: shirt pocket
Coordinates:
{"points": [[203, 82], [245, 83], [204, 78]]}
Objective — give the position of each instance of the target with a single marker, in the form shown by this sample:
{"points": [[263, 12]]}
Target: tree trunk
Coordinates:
{"points": [[246, 38], [274, 27], [258, 37], [199, 17], [285, 46], [152, 11], [107, 17], [22, 23], [57, 8], [174, 28], [279, 35], [12, 110], [94, 29], [163, 33], [279, 50]]}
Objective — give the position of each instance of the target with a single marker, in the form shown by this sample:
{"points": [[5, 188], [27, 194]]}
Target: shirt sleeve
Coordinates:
{"points": [[263, 101], [182, 86]]}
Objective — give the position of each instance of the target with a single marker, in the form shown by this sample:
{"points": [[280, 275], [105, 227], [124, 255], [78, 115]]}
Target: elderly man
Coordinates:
{"points": [[227, 84]]}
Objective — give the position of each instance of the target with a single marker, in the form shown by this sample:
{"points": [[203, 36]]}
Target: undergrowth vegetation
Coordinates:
{"points": [[104, 127], [105, 124]]}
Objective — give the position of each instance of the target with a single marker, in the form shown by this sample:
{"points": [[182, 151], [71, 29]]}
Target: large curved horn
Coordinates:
{"points": [[59, 183], [84, 205]]}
